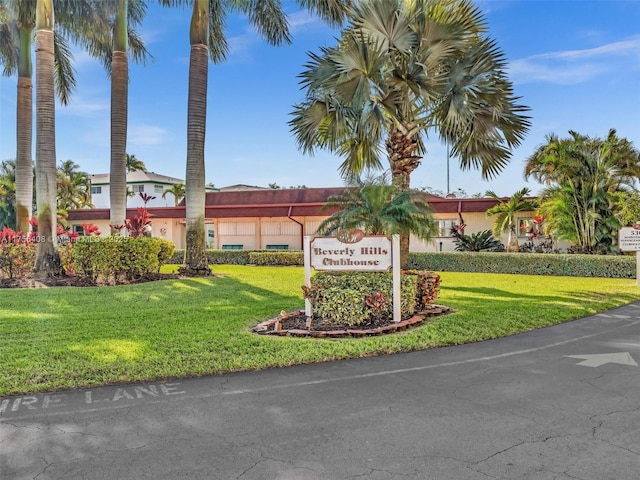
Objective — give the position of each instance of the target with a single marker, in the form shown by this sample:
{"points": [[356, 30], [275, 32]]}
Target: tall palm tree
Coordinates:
{"points": [[177, 190], [583, 175], [133, 164], [17, 23], [73, 187], [379, 208], [505, 215], [47, 259], [403, 70], [207, 40]]}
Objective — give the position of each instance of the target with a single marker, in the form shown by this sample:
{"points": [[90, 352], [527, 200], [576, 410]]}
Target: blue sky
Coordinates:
{"points": [[575, 63]]}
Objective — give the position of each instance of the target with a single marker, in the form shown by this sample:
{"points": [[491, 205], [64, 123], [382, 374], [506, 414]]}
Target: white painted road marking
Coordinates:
{"points": [[597, 360]]}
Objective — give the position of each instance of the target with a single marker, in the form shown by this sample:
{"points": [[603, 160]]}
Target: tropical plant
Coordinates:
{"points": [[17, 24], [208, 40], [8, 194], [477, 242], [73, 187], [404, 70], [505, 215], [177, 191], [584, 175], [379, 208], [134, 164]]}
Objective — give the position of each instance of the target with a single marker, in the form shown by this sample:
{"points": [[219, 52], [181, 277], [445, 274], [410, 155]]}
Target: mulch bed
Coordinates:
{"points": [[299, 325]]}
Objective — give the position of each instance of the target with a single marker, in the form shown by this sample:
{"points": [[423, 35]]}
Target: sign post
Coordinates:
{"points": [[355, 252], [629, 241]]}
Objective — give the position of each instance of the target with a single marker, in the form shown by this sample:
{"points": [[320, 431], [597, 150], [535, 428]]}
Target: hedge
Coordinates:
{"points": [[571, 265], [246, 257]]}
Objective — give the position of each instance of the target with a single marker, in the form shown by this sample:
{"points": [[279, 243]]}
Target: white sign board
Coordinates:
{"points": [[629, 239], [372, 254]]}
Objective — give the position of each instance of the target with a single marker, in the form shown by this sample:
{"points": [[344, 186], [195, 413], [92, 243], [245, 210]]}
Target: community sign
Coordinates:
{"points": [[360, 253], [629, 238]]}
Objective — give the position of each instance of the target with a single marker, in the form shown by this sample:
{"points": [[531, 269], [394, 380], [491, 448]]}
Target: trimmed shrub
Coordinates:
{"points": [[608, 266], [246, 257], [110, 259], [357, 298], [271, 258], [17, 259]]}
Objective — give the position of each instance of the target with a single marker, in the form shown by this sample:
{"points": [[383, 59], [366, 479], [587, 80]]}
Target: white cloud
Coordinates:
{"points": [[80, 107], [146, 135], [576, 66]]}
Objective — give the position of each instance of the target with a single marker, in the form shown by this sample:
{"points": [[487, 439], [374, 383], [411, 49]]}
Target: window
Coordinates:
{"points": [[137, 188], [96, 190], [79, 229], [158, 189], [445, 225]]}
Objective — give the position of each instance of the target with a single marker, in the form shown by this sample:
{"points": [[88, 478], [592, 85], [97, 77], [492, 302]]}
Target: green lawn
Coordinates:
{"points": [[55, 338]]}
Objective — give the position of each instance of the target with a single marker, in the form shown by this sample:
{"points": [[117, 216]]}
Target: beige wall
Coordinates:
{"points": [[257, 233]]}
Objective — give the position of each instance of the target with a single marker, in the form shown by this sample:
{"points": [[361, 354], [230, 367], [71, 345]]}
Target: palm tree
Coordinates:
{"points": [[17, 23], [177, 190], [207, 40], [379, 208], [400, 71], [583, 175], [135, 165], [505, 213], [47, 259], [73, 187]]}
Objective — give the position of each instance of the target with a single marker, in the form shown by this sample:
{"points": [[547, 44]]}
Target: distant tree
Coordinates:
{"points": [[177, 190], [274, 186], [73, 187], [8, 194], [134, 164], [505, 215]]}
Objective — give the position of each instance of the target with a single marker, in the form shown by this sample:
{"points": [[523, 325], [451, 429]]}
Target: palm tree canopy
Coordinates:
{"points": [[505, 211], [177, 190], [401, 70], [266, 16], [73, 187], [378, 208], [583, 177], [134, 164]]}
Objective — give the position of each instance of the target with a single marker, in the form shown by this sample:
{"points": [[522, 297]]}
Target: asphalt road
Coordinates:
{"points": [[557, 403]]}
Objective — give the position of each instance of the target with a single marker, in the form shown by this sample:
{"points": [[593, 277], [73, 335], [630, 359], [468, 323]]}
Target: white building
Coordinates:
{"points": [[149, 183]]}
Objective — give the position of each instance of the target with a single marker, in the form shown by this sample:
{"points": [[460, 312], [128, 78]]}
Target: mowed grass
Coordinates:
{"points": [[59, 338]]}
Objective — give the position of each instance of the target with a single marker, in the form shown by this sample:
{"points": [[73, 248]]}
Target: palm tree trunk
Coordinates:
{"points": [[119, 110], [402, 161], [47, 258], [24, 134], [196, 256]]}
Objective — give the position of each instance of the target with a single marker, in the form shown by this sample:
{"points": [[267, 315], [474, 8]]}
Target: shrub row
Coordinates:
{"points": [[246, 257], [357, 298], [608, 266]]}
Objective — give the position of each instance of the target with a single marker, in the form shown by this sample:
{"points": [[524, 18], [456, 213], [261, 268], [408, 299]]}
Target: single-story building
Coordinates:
{"points": [[280, 218]]}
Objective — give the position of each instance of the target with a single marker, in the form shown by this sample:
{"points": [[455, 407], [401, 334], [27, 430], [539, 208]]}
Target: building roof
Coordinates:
{"points": [[279, 203], [139, 176]]}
